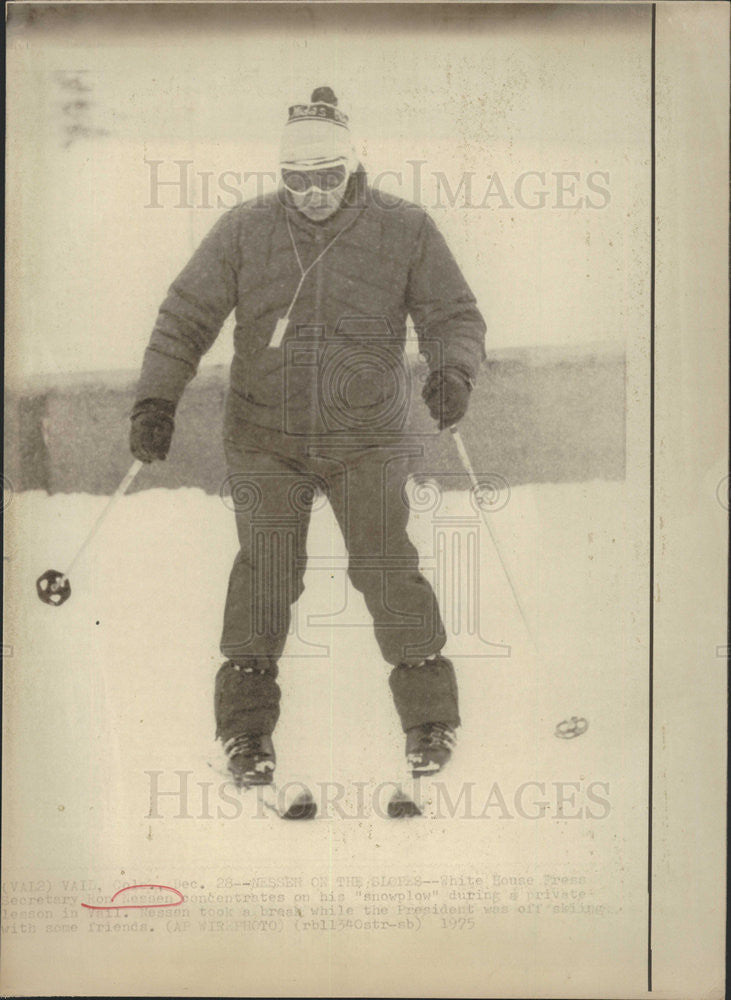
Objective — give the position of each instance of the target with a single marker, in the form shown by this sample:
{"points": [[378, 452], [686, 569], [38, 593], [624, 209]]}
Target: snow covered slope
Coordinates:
{"points": [[108, 704]]}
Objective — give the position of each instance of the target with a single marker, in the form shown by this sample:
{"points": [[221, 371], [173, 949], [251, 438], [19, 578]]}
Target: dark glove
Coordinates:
{"points": [[152, 429], [447, 394]]}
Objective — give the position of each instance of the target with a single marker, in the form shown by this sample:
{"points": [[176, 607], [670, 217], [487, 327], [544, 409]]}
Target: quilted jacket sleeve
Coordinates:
{"points": [[449, 326], [191, 316]]}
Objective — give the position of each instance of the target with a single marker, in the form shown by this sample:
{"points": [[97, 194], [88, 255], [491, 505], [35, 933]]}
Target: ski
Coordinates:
{"points": [[296, 807], [427, 795], [416, 796], [409, 797], [402, 806]]}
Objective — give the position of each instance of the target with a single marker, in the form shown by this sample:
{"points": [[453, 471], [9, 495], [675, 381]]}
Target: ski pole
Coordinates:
{"points": [[54, 587], [465, 459], [569, 727]]}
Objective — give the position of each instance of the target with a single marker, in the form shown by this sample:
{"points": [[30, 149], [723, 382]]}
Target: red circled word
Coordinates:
{"points": [[138, 906]]}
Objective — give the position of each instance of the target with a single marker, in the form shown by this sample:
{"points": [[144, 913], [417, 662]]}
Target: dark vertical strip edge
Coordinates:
{"points": [[652, 503]]}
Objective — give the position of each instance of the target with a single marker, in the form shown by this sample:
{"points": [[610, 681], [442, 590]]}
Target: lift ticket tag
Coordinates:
{"points": [[279, 331]]}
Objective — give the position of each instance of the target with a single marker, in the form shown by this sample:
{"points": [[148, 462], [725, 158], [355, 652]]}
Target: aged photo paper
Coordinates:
{"points": [[366, 500]]}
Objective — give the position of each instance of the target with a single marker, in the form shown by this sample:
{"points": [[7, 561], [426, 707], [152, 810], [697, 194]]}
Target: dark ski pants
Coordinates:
{"points": [[274, 481]]}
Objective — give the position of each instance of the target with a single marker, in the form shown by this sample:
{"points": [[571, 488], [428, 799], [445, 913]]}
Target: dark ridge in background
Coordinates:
{"points": [[536, 416]]}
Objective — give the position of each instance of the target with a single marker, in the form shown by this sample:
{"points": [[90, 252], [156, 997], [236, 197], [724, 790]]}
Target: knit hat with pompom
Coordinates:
{"points": [[317, 134]]}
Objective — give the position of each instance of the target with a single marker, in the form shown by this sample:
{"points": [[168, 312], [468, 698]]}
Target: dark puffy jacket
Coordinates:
{"points": [[341, 364]]}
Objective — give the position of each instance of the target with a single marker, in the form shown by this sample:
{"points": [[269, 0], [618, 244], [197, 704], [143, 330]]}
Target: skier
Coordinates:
{"points": [[322, 274]]}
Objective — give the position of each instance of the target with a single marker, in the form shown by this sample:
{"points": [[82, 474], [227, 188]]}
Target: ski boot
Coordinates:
{"points": [[429, 747], [251, 763], [251, 759]]}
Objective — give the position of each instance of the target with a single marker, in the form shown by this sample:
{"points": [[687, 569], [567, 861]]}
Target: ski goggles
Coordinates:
{"points": [[322, 179]]}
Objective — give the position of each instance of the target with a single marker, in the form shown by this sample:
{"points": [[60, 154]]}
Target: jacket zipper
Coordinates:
{"points": [[318, 294], [315, 416]]}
